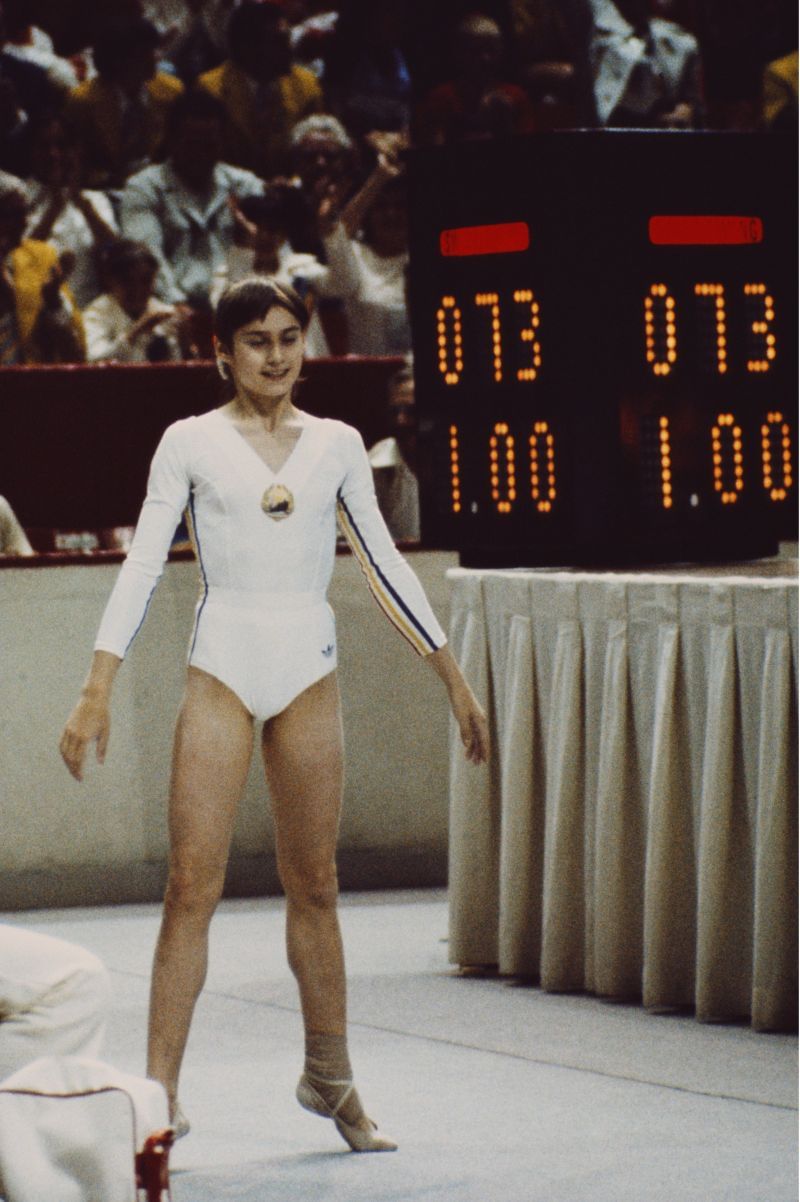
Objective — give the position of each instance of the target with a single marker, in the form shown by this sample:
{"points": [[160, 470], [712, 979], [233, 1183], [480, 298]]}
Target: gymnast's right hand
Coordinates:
{"points": [[89, 722]]}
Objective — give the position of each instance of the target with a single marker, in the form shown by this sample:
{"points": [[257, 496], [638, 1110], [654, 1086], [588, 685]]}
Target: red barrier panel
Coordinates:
{"points": [[77, 440]]}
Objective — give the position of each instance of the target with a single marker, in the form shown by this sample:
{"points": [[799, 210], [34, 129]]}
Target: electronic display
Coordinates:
{"points": [[604, 333]]}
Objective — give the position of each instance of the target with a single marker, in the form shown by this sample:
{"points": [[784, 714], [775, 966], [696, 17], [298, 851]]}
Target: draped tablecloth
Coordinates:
{"points": [[634, 833]]}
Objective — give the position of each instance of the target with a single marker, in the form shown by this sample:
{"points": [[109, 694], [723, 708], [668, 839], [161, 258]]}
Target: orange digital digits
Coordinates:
{"points": [[659, 310], [455, 471], [524, 296], [502, 464], [665, 453], [726, 443], [450, 369], [492, 300], [716, 293], [776, 444], [761, 327], [543, 464]]}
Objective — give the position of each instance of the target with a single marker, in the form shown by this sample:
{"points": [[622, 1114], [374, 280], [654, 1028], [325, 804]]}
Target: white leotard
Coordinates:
{"points": [[263, 625]]}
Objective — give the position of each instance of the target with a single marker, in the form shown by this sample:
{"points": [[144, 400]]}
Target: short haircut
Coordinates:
{"points": [[119, 256], [194, 105], [251, 300], [248, 21], [119, 39]]}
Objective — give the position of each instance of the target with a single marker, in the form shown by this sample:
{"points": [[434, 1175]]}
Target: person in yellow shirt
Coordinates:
{"points": [[39, 320], [263, 92], [779, 94], [120, 116]]}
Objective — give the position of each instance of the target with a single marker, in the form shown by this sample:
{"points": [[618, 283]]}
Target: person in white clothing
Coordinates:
{"points": [[181, 208], [647, 70], [367, 252], [54, 999], [127, 324], [264, 484]]}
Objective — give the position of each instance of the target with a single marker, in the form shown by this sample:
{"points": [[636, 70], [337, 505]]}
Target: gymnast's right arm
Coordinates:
{"points": [[167, 495]]}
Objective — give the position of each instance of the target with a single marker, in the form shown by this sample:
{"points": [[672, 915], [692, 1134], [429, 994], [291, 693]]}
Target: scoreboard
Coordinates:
{"points": [[605, 346]]}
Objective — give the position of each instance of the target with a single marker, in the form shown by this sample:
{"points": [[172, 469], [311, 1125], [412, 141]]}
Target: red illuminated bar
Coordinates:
{"points": [[500, 239], [706, 231]]}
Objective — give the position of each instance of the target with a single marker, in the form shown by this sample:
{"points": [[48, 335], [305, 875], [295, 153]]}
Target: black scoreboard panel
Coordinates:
{"points": [[604, 333]]}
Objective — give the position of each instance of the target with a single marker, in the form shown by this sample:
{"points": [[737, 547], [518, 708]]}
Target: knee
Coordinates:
{"points": [[311, 887], [193, 889]]}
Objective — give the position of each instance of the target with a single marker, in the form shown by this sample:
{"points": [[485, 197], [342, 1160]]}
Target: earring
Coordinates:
{"points": [[223, 369]]}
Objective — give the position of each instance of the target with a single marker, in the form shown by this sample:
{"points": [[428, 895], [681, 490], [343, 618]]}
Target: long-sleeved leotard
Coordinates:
{"points": [[263, 625]]}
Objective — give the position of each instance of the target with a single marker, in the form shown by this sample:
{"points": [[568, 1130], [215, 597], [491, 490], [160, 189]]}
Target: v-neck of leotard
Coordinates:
{"points": [[226, 421]]}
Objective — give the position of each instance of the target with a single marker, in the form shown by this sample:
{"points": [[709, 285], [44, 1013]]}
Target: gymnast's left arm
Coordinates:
{"points": [[401, 596]]}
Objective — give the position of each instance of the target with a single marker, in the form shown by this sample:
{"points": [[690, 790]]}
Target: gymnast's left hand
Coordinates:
{"points": [[472, 724], [467, 710]]}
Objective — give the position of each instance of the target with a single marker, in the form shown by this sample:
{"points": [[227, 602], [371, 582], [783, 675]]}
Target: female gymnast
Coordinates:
{"points": [[263, 485]]}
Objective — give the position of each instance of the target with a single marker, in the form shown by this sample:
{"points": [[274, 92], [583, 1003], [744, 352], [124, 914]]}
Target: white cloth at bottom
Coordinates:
{"points": [[71, 1128]]}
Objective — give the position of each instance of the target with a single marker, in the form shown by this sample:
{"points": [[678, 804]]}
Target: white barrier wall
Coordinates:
{"points": [[104, 840]]}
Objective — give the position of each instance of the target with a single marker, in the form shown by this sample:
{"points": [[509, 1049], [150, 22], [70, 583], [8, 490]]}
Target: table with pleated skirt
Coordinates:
{"points": [[634, 834]]}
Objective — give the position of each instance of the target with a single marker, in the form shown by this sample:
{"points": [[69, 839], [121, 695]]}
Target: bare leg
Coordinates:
{"points": [[211, 757], [304, 766]]}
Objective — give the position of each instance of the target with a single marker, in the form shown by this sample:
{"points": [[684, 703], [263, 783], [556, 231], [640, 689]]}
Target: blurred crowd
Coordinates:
{"points": [[154, 150]]}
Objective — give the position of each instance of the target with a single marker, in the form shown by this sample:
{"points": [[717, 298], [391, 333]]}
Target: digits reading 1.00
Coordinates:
{"points": [[502, 467]]}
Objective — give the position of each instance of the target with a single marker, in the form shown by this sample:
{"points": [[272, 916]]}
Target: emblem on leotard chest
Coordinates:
{"points": [[277, 502]]}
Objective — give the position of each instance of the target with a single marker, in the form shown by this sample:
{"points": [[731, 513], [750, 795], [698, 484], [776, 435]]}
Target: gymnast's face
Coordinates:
{"points": [[267, 355]]}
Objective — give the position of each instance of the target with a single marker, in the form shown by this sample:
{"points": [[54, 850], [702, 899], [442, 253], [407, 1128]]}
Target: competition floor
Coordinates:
{"points": [[494, 1090]]}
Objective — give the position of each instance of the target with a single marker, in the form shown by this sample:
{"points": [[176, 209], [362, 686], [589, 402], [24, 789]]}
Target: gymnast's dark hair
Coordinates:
{"points": [[250, 300]]}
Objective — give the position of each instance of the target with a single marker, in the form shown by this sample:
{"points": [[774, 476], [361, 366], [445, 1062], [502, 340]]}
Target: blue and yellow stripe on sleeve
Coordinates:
{"points": [[390, 601]]}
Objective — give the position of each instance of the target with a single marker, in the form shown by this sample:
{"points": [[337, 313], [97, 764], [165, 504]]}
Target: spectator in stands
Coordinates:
{"points": [[72, 219], [39, 320], [13, 120], [479, 101], [175, 18], [646, 69], [262, 246], [13, 539], [191, 44], [263, 92], [324, 163], [324, 158], [312, 31], [551, 44], [126, 323], [26, 84], [324, 166], [181, 208], [31, 44], [394, 462], [779, 96], [367, 77], [369, 272], [120, 115]]}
